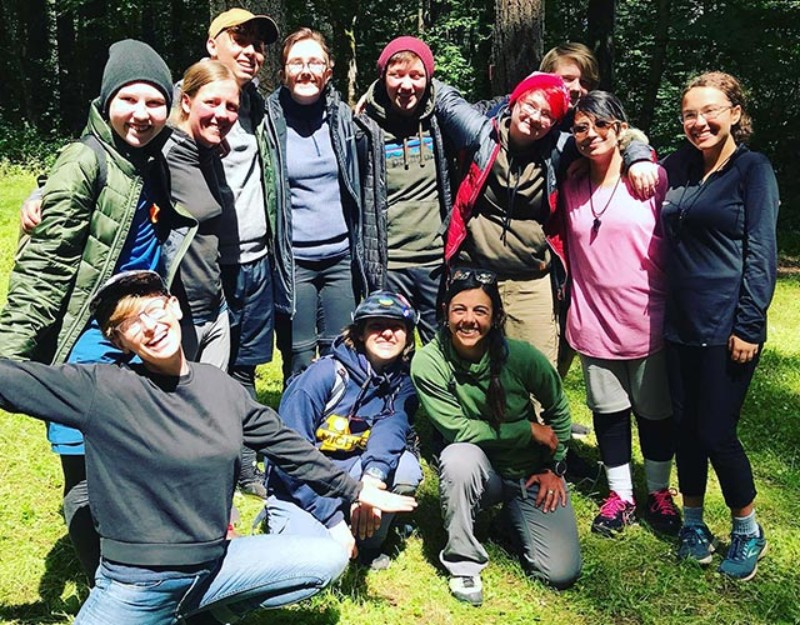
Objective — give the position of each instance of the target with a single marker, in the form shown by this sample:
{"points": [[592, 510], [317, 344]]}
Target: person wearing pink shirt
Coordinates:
{"points": [[615, 253]]}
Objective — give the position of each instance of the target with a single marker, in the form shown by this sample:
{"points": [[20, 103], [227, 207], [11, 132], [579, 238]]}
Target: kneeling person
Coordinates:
{"points": [[356, 406], [162, 446], [476, 387]]}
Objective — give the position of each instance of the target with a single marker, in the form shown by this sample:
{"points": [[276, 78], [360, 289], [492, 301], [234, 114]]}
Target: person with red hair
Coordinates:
{"points": [[501, 213]]}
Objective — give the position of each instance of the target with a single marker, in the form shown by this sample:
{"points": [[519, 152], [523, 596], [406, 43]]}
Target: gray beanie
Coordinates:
{"points": [[134, 61]]}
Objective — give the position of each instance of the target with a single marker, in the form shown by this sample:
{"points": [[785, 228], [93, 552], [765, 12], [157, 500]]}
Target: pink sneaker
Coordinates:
{"points": [[614, 516]]}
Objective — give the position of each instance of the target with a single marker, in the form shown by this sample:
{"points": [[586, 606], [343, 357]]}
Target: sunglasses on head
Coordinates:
{"points": [[484, 276]]}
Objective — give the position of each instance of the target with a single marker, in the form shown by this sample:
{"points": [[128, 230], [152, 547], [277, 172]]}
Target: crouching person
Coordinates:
{"points": [[476, 387], [162, 449], [356, 406]]}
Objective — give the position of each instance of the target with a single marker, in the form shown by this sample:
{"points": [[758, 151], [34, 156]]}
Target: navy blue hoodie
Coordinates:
{"points": [[382, 404]]}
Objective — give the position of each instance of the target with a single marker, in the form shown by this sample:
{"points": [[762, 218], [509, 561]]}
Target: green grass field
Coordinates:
{"points": [[634, 579]]}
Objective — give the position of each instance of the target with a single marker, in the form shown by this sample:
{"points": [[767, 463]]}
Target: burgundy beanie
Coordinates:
{"points": [[555, 92], [410, 44]]}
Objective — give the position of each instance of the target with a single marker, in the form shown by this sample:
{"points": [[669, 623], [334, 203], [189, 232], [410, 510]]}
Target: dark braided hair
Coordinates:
{"points": [[496, 345]]}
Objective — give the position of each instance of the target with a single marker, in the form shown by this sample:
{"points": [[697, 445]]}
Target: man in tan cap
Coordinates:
{"points": [[238, 39]]}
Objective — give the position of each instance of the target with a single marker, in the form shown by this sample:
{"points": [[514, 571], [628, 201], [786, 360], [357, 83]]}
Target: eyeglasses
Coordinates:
{"points": [[484, 276], [709, 114], [532, 111], [315, 66], [133, 326], [601, 126]]}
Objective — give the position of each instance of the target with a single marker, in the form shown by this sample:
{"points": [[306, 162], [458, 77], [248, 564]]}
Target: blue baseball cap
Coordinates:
{"points": [[387, 305]]}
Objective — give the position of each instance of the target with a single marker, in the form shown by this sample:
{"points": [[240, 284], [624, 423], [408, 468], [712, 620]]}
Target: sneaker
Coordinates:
{"points": [[741, 562], [614, 516], [467, 588], [578, 430], [374, 559], [579, 469], [697, 543], [252, 483], [662, 513]]}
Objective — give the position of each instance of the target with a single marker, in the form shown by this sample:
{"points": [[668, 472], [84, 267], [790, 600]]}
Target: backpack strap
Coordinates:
{"points": [[94, 144], [338, 389]]}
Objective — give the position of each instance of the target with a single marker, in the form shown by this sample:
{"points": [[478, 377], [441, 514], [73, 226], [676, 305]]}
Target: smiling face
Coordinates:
{"points": [[710, 133], [152, 332], [212, 112], [241, 49], [406, 82], [306, 71], [469, 319], [137, 113], [596, 139], [531, 119], [384, 340]]}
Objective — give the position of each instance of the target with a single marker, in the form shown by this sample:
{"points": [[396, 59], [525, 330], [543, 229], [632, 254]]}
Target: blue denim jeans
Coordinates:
{"points": [[262, 571], [287, 518]]}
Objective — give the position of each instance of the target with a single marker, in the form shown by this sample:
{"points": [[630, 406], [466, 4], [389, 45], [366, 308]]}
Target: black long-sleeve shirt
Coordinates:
{"points": [[162, 451], [722, 249]]}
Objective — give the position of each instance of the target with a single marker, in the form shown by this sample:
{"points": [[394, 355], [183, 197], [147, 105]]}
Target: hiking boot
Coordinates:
{"points": [[662, 513], [614, 516], [697, 543], [741, 561], [467, 588], [251, 482]]}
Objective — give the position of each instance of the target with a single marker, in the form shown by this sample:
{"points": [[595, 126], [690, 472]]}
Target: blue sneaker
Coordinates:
{"points": [[697, 543], [741, 562]]}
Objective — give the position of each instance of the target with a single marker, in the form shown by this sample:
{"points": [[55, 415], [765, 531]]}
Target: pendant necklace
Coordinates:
{"points": [[597, 215]]}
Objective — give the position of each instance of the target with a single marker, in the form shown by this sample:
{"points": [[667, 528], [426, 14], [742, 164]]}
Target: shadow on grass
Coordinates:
{"points": [[61, 569], [327, 615]]}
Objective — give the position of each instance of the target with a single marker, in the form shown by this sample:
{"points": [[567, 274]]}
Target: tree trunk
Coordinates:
{"points": [[352, 63], [518, 41], [601, 20], [657, 68]]}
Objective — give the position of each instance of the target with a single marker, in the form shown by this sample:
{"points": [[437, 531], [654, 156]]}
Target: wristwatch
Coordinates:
{"points": [[559, 467]]}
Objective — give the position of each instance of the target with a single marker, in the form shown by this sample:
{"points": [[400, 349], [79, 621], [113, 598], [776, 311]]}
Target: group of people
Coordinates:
{"points": [[166, 250]]}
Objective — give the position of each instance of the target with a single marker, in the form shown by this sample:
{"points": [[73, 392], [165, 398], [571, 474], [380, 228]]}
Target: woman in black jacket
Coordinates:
{"points": [[719, 217], [316, 213]]}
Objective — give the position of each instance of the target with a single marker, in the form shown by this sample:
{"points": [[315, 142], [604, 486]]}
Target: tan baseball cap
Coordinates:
{"points": [[237, 16]]}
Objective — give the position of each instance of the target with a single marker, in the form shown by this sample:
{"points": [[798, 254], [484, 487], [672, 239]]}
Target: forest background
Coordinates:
{"points": [[52, 54]]}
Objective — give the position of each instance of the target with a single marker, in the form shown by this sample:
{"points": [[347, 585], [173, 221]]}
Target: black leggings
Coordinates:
{"points": [[613, 432], [77, 515], [708, 390]]}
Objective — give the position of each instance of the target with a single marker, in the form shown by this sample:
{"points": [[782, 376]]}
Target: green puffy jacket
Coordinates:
{"points": [[77, 245]]}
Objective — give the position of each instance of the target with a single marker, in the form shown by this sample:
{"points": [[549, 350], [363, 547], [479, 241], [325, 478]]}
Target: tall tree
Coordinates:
{"points": [[518, 41], [602, 16]]}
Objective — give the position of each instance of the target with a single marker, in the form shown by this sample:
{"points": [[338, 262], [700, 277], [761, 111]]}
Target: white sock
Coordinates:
{"points": [[657, 474], [619, 480]]}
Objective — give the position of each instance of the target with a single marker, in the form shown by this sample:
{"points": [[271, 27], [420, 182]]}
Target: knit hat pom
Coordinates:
{"points": [[553, 88], [410, 44], [134, 61]]}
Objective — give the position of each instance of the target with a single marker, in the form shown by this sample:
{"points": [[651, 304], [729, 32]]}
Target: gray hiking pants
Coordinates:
{"points": [[546, 543]]}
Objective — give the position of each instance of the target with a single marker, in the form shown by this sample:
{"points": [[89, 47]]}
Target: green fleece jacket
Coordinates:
{"points": [[453, 393], [76, 246]]}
